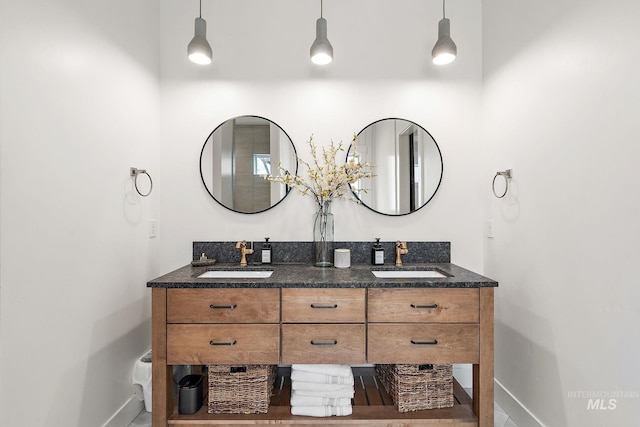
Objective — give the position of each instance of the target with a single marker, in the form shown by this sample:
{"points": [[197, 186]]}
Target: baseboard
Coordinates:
{"points": [[464, 375], [514, 408], [126, 414]]}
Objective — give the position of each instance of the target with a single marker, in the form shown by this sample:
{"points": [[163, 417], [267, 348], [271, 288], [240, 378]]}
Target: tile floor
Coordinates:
{"points": [[501, 419], [142, 420]]}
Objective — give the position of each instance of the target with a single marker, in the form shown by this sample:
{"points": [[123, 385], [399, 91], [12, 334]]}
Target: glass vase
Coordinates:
{"points": [[323, 236]]}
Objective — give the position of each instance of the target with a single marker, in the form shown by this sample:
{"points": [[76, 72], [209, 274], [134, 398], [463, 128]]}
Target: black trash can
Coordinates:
{"points": [[190, 394]]}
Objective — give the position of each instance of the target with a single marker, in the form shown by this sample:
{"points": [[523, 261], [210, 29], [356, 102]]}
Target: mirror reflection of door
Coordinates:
{"points": [[408, 166], [410, 170]]}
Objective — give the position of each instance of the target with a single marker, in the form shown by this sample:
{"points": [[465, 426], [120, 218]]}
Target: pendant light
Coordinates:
{"points": [[199, 50], [445, 49], [321, 49]]}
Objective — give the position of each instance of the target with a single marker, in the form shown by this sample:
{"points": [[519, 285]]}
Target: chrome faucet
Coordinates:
{"points": [[244, 251], [401, 249]]}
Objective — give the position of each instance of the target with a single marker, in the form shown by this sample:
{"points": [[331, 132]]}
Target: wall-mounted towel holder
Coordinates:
{"points": [[134, 172], [506, 174]]}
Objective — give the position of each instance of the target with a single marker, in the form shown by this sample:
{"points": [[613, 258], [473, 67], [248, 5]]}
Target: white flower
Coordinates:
{"points": [[326, 181]]}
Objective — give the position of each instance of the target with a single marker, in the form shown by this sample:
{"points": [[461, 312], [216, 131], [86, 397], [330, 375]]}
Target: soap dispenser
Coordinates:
{"points": [[266, 251], [377, 253]]}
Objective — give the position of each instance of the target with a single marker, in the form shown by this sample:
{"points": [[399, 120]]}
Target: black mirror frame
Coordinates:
{"points": [[435, 191], [288, 189]]}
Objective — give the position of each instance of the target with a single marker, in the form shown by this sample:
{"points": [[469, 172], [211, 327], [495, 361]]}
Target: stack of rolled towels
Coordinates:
{"points": [[321, 390]]}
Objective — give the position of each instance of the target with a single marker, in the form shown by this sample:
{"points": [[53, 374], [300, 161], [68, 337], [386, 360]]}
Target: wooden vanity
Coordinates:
{"points": [[333, 316]]}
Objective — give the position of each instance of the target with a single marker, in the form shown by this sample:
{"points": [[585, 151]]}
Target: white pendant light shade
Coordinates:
{"points": [[445, 49], [321, 49], [199, 50]]}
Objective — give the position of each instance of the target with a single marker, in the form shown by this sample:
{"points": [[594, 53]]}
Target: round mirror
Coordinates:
{"points": [[408, 166], [238, 155]]}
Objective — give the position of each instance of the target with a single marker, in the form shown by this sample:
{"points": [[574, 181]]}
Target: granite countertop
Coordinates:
{"points": [[309, 276]]}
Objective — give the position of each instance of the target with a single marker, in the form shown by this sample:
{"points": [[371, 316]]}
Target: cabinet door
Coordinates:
{"points": [[323, 343], [423, 343], [424, 305], [222, 344], [323, 305], [223, 305]]}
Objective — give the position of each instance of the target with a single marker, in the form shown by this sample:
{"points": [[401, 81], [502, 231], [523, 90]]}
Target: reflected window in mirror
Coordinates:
{"points": [[408, 166], [236, 158], [262, 164]]}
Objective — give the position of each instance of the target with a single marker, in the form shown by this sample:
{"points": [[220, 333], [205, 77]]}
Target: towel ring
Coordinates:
{"points": [[134, 173], [507, 176]]}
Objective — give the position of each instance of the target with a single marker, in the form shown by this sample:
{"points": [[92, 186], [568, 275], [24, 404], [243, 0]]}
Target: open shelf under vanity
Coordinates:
{"points": [[372, 406]]}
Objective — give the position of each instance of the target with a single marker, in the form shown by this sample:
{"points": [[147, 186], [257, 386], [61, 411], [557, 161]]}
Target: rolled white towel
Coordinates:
{"points": [[321, 411], [342, 393], [312, 377], [302, 400], [333, 370]]}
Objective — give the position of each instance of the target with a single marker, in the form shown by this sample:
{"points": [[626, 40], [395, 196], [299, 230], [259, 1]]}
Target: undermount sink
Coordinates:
{"points": [[236, 274], [411, 274]]}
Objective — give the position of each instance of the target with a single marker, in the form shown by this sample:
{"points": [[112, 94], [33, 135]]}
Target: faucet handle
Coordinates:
{"points": [[401, 249]]}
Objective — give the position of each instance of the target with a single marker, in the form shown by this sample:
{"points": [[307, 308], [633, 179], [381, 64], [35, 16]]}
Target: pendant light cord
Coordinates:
{"points": [[443, 13], [320, 8], [200, 8]]}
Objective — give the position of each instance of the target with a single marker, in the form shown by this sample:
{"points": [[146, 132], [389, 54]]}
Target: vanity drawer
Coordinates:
{"points": [[222, 344], [223, 305], [423, 343], [323, 305], [424, 305], [317, 343]]}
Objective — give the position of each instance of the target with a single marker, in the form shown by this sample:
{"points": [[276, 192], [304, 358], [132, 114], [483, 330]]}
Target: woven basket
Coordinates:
{"points": [[240, 389], [417, 387]]}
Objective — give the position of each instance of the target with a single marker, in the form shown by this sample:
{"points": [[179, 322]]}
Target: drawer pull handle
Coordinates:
{"points": [[228, 307], [334, 342], [324, 306], [424, 306], [223, 343], [414, 342]]}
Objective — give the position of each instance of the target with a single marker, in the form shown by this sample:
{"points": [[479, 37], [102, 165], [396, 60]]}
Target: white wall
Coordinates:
{"points": [[261, 66], [79, 105], [561, 109]]}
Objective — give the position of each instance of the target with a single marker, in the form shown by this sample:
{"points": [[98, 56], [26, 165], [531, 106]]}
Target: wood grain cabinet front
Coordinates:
{"points": [[423, 326], [241, 305], [323, 325], [323, 343], [422, 343], [323, 305], [202, 344], [423, 305]]}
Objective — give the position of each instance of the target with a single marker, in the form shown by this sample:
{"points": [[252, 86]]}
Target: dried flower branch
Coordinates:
{"points": [[326, 180]]}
